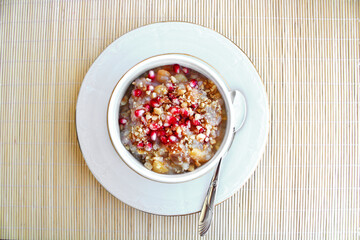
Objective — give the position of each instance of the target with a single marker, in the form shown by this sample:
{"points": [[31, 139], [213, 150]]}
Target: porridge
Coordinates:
{"points": [[172, 119]]}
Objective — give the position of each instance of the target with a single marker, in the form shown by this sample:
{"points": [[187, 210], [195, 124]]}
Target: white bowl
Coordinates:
{"points": [[234, 103]]}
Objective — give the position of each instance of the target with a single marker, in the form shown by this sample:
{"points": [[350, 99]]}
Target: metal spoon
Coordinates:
{"points": [[207, 210]]}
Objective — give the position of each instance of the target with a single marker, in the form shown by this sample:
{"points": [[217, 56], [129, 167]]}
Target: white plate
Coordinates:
{"points": [[125, 52]]}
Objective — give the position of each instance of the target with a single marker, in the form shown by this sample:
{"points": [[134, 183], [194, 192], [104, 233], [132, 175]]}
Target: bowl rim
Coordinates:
{"points": [[226, 141]]}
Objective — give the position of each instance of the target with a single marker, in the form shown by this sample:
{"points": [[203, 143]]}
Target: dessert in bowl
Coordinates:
{"points": [[171, 117]]}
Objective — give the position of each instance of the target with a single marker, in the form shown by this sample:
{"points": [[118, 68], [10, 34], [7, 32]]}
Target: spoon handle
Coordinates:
{"points": [[207, 211]]}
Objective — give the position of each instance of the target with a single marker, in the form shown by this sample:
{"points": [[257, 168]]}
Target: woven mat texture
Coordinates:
{"points": [[307, 185]]}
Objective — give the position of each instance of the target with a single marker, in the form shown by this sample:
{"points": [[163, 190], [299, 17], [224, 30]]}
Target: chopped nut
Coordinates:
{"points": [[178, 130], [181, 91], [191, 168], [148, 92], [124, 101], [161, 90], [197, 116], [181, 78], [148, 79], [173, 79], [153, 95], [212, 141], [158, 111], [141, 151], [184, 104], [160, 159], [200, 137], [148, 165]]}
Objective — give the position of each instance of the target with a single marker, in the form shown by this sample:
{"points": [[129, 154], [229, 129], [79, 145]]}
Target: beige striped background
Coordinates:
{"points": [[307, 185]]}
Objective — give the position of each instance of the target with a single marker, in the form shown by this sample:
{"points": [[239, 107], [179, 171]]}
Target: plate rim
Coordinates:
{"points": [[260, 153]]}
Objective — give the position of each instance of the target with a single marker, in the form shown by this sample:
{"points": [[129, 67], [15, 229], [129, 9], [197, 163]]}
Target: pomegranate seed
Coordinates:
{"points": [[161, 133], [150, 88], [193, 83], [188, 123], [139, 112], [173, 139], [147, 107], [155, 102], [163, 139], [137, 93], [140, 145], [171, 96], [176, 68], [174, 126], [151, 75], [154, 126], [196, 122], [148, 147], [143, 120], [185, 113], [176, 101], [122, 121], [195, 105], [207, 139], [170, 87], [174, 110], [153, 136], [185, 70], [147, 130], [201, 130], [171, 120]]}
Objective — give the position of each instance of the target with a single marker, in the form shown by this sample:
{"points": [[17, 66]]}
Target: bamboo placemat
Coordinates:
{"points": [[307, 185]]}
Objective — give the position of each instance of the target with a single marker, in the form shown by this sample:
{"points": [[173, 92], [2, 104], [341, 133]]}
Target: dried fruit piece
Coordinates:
{"points": [[163, 76], [159, 167]]}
